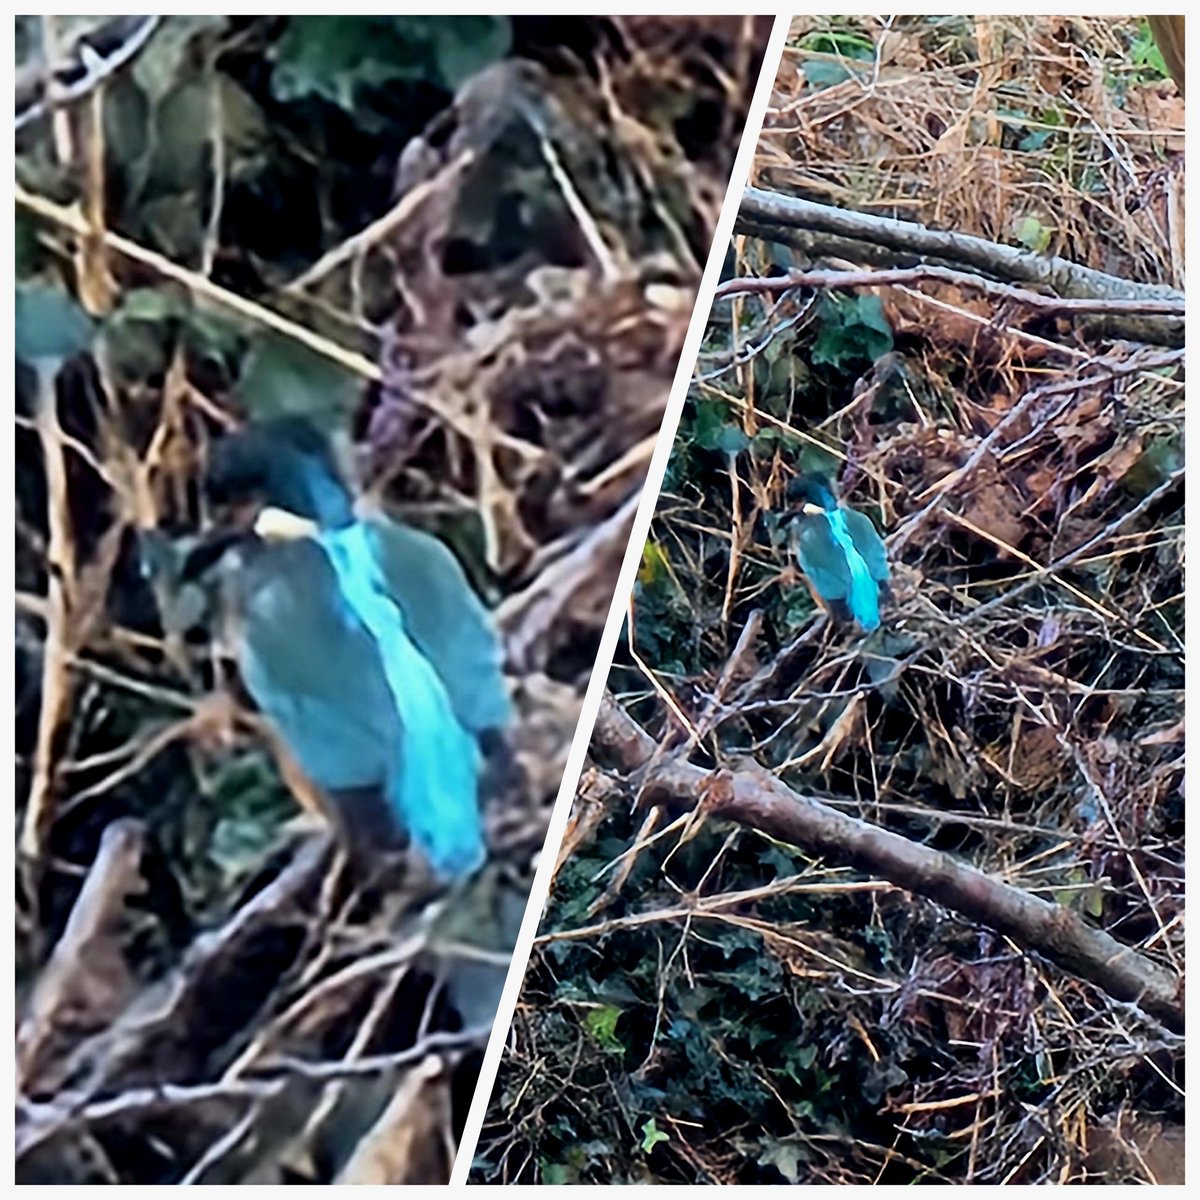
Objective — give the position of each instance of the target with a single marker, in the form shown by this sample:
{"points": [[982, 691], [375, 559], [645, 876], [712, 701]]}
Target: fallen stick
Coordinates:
{"points": [[752, 796]]}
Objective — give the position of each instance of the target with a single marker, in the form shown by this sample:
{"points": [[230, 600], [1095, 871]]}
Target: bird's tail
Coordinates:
{"points": [[862, 597], [864, 600], [434, 785]]}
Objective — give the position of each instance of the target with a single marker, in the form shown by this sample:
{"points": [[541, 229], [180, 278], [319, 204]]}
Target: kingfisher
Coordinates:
{"points": [[361, 641], [839, 550]]}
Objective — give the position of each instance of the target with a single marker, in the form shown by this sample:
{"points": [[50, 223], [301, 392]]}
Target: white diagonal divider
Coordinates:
{"points": [[620, 602]]}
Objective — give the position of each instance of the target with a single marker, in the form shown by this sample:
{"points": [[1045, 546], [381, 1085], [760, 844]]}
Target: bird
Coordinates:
{"points": [[361, 641], [839, 550]]}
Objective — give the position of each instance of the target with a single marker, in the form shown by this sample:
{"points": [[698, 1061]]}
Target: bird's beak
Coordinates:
{"points": [[811, 510], [279, 525]]}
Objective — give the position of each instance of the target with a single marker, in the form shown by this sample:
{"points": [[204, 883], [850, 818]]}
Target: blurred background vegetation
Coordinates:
{"points": [[467, 249]]}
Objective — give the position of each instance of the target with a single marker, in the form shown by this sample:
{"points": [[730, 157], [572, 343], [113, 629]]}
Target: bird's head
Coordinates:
{"points": [[275, 483], [284, 464], [811, 494]]}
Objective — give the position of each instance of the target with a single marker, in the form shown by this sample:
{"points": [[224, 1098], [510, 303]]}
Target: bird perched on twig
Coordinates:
{"points": [[840, 552], [361, 641]]}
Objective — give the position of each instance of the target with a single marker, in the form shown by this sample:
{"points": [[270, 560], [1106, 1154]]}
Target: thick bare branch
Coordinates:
{"points": [[753, 796], [886, 241]]}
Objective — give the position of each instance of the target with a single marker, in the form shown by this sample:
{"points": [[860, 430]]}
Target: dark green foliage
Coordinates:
{"points": [[1145, 55], [335, 58], [49, 325], [853, 331], [844, 48], [829, 1035], [282, 378]]}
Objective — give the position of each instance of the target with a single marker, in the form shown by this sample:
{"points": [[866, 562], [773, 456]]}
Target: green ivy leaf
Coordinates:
{"points": [[732, 439], [652, 1135], [239, 843], [1032, 234], [49, 323], [844, 43], [1145, 53], [175, 224], [786, 1157], [1034, 140], [463, 46], [801, 1060], [152, 304], [557, 1173], [1160, 459], [853, 329], [333, 57], [159, 67], [714, 432], [820, 74], [601, 1023]]}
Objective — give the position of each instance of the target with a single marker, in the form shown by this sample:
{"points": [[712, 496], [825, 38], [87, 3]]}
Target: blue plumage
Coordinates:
{"points": [[841, 553], [862, 594], [367, 648], [311, 667], [433, 781]]}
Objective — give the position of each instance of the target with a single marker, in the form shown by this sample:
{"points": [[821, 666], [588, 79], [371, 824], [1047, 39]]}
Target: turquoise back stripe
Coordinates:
{"points": [[436, 788], [863, 597]]}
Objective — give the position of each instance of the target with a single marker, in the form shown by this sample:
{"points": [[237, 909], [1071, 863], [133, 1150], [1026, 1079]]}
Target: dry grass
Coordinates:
{"points": [[778, 1013]]}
